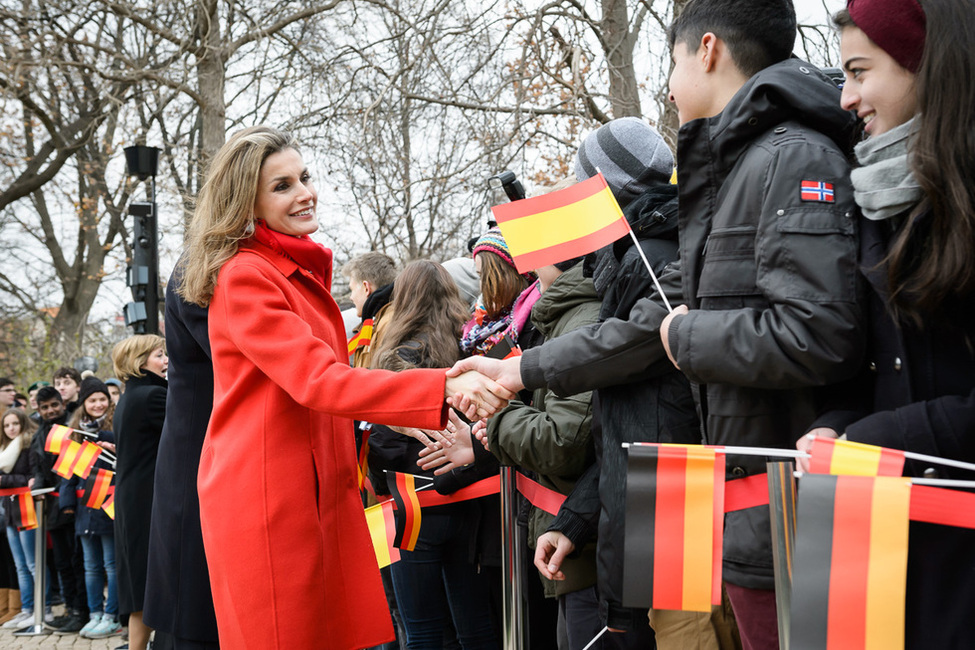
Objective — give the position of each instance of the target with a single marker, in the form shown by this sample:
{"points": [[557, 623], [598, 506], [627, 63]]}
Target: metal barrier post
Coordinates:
{"points": [[40, 557], [782, 512], [511, 559]]}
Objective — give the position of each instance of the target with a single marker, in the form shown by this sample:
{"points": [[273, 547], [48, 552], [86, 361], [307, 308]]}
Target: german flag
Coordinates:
{"points": [[408, 514], [97, 488], [56, 437], [86, 458], [361, 338], [109, 506], [850, 568], [64, 465], [26, 514], [382, 529], [833, 456], [561, 225], [674, 527]]}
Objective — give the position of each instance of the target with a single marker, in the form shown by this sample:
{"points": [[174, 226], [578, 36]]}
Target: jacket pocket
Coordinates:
{"points": [[818, 259], [729, 263]]}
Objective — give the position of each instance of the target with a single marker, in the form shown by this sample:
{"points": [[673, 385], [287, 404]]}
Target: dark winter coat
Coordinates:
{"points": [[137, 423], [18, 476], [920, 396], [770, 280], [659, 408], [178, 599], [552, 437], [42, 468]]}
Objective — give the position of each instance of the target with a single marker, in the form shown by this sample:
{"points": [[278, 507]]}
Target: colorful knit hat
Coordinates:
{"points": [[494, 242], [896, 26]]}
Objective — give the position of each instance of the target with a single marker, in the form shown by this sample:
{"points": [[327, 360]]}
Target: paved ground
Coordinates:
{"points": [[10, 642]]}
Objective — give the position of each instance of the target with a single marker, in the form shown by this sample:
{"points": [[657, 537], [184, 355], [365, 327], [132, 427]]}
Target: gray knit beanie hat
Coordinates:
{"points": [[630, 153]]}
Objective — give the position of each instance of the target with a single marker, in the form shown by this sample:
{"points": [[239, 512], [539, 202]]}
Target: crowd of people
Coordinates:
{"points": [[816, 265]]}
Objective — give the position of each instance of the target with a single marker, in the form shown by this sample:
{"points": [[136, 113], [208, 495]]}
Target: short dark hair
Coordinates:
{"points": [[759, 33], [47, 393], [68, 371], [6, 381]]}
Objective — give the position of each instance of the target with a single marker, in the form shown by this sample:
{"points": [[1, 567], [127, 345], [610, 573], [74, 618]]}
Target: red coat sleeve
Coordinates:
{"points": [[295, 354]]}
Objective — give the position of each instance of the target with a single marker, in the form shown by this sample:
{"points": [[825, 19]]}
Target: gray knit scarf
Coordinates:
{"points": [[883, 185]]}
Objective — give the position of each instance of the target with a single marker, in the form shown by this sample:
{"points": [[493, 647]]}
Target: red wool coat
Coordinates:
{"points": [[290, 557]]}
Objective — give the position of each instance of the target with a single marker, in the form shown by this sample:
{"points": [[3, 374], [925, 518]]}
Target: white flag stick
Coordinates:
{"points": [[596, 638]]}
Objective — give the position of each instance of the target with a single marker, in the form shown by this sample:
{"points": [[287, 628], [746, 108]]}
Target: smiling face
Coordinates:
{"points": [[880, 91], [158, 362], [96, 404], [286, 197], [51, 410], [11, 425]]}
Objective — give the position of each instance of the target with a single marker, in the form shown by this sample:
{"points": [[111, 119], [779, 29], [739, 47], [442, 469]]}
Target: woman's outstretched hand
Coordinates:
{"points": [[448, 457], [475, 395]]}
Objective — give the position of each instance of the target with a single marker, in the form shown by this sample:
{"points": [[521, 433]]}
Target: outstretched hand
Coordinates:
{"points": [[475, 395], [447, 458], [550, 551]]}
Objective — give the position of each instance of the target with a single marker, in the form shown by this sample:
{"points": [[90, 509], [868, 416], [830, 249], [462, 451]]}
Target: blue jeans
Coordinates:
{"points": [[436, 578], [22, 548], [100, 564]]}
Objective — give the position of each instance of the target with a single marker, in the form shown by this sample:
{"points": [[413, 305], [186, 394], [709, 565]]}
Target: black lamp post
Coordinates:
{"points": [[142, 274]]}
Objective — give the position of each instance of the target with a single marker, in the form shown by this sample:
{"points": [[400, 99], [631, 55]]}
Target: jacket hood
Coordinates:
{"points": [[790, 90], [569, 291], [651, 216]]}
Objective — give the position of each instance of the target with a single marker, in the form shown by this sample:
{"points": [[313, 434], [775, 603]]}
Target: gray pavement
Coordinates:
{"points": [[10, 642]]}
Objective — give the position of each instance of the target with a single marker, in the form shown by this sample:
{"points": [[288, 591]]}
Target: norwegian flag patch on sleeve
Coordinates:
{"points": [[816, 191]]}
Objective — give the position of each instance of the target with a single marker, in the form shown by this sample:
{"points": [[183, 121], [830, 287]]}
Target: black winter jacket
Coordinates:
{"points": [[770, 279], [919, 395], [656, 409]]}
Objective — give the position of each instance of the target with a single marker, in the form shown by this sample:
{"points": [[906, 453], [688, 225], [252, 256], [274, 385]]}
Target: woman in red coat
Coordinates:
{"points": [[290, 557]]}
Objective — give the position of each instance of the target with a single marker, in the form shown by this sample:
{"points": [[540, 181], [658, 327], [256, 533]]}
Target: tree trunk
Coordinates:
{"points": [[211, 76], [619, 42]]}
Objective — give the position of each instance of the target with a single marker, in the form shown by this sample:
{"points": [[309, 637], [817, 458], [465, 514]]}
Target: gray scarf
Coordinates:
{"points": [[883, 185]]}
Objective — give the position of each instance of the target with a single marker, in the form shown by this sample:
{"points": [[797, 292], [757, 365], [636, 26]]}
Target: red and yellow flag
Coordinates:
{"points": [[109, 506], [674, 527], [408, 514], [361, 338], [850, 569], [561, 225], [27, 513], [64, 465], [97, 488], [86, 458], [56, 437], [382, 529], [834, 456]]}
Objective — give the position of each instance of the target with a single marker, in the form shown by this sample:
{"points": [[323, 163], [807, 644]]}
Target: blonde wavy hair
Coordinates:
{"points": [[224, 212], [130, 355]]}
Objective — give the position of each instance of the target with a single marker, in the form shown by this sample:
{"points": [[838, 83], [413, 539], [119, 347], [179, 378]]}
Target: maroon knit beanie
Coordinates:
{"points": [[896, 26]]}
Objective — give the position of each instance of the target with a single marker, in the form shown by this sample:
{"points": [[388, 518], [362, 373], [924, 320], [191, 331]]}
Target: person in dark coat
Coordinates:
{"points": [[917, 255], [178, 602], [141, 362]]}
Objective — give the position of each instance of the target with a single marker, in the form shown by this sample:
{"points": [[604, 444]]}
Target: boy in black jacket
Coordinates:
{"points": [[766, 272]]}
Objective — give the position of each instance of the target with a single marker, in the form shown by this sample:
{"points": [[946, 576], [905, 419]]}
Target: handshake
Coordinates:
{"points": [[479, 387]]}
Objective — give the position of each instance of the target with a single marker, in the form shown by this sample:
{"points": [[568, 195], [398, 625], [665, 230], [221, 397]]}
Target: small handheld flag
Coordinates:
{"points": [[382, 529], [408, 513], [56, 438], [834, 456], [25, 515], [97, 488], [64, 465], [109, 506], [674, 527], [86, 458]]}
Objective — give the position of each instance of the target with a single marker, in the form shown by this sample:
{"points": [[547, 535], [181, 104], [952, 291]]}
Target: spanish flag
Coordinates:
{"points": [[561, 225], [109, 506], [361, 338], [850, 569], [382, 529], [58, 435], [64, 465], [26, 512], [674, 527], [86, 458], [97, 488], [833, 456], [408, 514]]}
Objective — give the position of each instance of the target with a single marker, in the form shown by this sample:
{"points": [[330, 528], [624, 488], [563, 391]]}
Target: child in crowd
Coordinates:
{"points": [[67, 381], [766, 271], [909, 69], [93, 526], [16, 430]]}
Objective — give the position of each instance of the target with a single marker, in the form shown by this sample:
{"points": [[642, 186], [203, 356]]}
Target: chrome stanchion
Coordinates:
{"points": [[782, 511], [40, 570], [511, 559]]}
